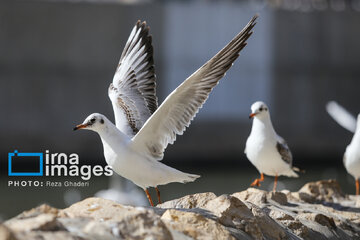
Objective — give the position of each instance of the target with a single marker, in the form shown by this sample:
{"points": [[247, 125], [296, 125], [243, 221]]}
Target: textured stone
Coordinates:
{"points": [[318, 211], [252, 195], [269, 228], [44, 222], [278, 197], [324, 190], [188, 202], [324, 220], [124, 221], [195, 225], [44, 208], [280, 215], [232, 212], [58, 235], [6, 233]]}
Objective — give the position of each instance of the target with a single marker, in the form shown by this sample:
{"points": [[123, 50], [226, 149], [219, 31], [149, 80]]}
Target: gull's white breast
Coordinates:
{"points": [[262, 153], [352, 158]]}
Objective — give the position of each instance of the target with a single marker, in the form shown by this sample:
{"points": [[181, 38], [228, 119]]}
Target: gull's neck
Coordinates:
{"points": [[112, 136], [263, 127]]}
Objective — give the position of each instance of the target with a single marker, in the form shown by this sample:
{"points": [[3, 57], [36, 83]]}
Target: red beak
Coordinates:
{"points": [[252, 115], [80, 126]]}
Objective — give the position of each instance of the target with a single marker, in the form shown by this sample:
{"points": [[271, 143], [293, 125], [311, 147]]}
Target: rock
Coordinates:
{"points": [[188, 202], [98, 209], [142, 226], [41, 235], [44, 208], [6, 233], [324, 220], [299, 229], [195, 225], [269, 228], [260, 197], [325, 190], [125, 221], [252, 195], [232, 212], [319, 210], [278, 197], [43, 222], [280, 215]]}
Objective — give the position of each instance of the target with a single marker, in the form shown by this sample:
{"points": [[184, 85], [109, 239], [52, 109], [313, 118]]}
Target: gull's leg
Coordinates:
{"points": [[149, 197], [257, 181], [357, 186], [275, 183], [158, 194]]}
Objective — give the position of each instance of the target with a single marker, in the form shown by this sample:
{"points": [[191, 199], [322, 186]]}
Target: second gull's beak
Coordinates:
{"points": [[80, 126]]}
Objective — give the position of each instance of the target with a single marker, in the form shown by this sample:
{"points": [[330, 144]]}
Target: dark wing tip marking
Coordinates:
{"points": [[137, 77], [148, 87], [225, 58]]}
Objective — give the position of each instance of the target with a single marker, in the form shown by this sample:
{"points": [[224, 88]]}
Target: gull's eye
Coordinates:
{"points": [[260, 109], [92, 120], [102, 121]]}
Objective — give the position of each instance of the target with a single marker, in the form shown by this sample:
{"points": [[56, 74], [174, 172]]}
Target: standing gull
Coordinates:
{"points": [[133, 97], [266, 150], [351, 157]]}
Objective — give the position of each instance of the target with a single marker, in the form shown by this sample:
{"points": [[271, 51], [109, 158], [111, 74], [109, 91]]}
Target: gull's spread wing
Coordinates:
{"points": [[132, 91], [341, 116], [181, 106]]}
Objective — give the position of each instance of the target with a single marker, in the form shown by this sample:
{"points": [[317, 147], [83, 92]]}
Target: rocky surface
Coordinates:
{"points": [[319, 210]]}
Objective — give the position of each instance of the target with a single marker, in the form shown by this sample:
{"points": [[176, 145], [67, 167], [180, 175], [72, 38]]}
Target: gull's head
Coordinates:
{"points": [[94, 122], [259, 110]]}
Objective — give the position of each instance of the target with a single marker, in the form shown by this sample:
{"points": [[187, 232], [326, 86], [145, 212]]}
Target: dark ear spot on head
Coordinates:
{"points": [[102, 121]]}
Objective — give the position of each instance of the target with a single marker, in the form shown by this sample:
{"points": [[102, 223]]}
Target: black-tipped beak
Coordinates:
{"points": [[252, 115], [80, 126]]}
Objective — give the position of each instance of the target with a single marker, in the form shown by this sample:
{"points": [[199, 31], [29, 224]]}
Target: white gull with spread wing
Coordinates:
{"points": [[132, 93], [351, 157]]}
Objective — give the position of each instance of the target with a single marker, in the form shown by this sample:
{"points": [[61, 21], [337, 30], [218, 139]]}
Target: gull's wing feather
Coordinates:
{"points": [[341, 116], [284, 150], [181, 106], [132, 91]]}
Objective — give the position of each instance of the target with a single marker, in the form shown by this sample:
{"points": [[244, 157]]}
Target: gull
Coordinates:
{"points": [[132, 94], [266, 150], [351, 157]]}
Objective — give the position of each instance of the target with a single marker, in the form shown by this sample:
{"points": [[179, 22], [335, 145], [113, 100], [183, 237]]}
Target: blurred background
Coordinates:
{"points": [[57, 59]]}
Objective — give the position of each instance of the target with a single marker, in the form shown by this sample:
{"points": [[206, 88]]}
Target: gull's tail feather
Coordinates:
{"points": [[291, 173], [190, 177], [296, 169]]}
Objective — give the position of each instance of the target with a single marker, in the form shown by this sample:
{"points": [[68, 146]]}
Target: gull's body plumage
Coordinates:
{"points": [[127, 161], [352, 153], [262, 151], [137, 143]]}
